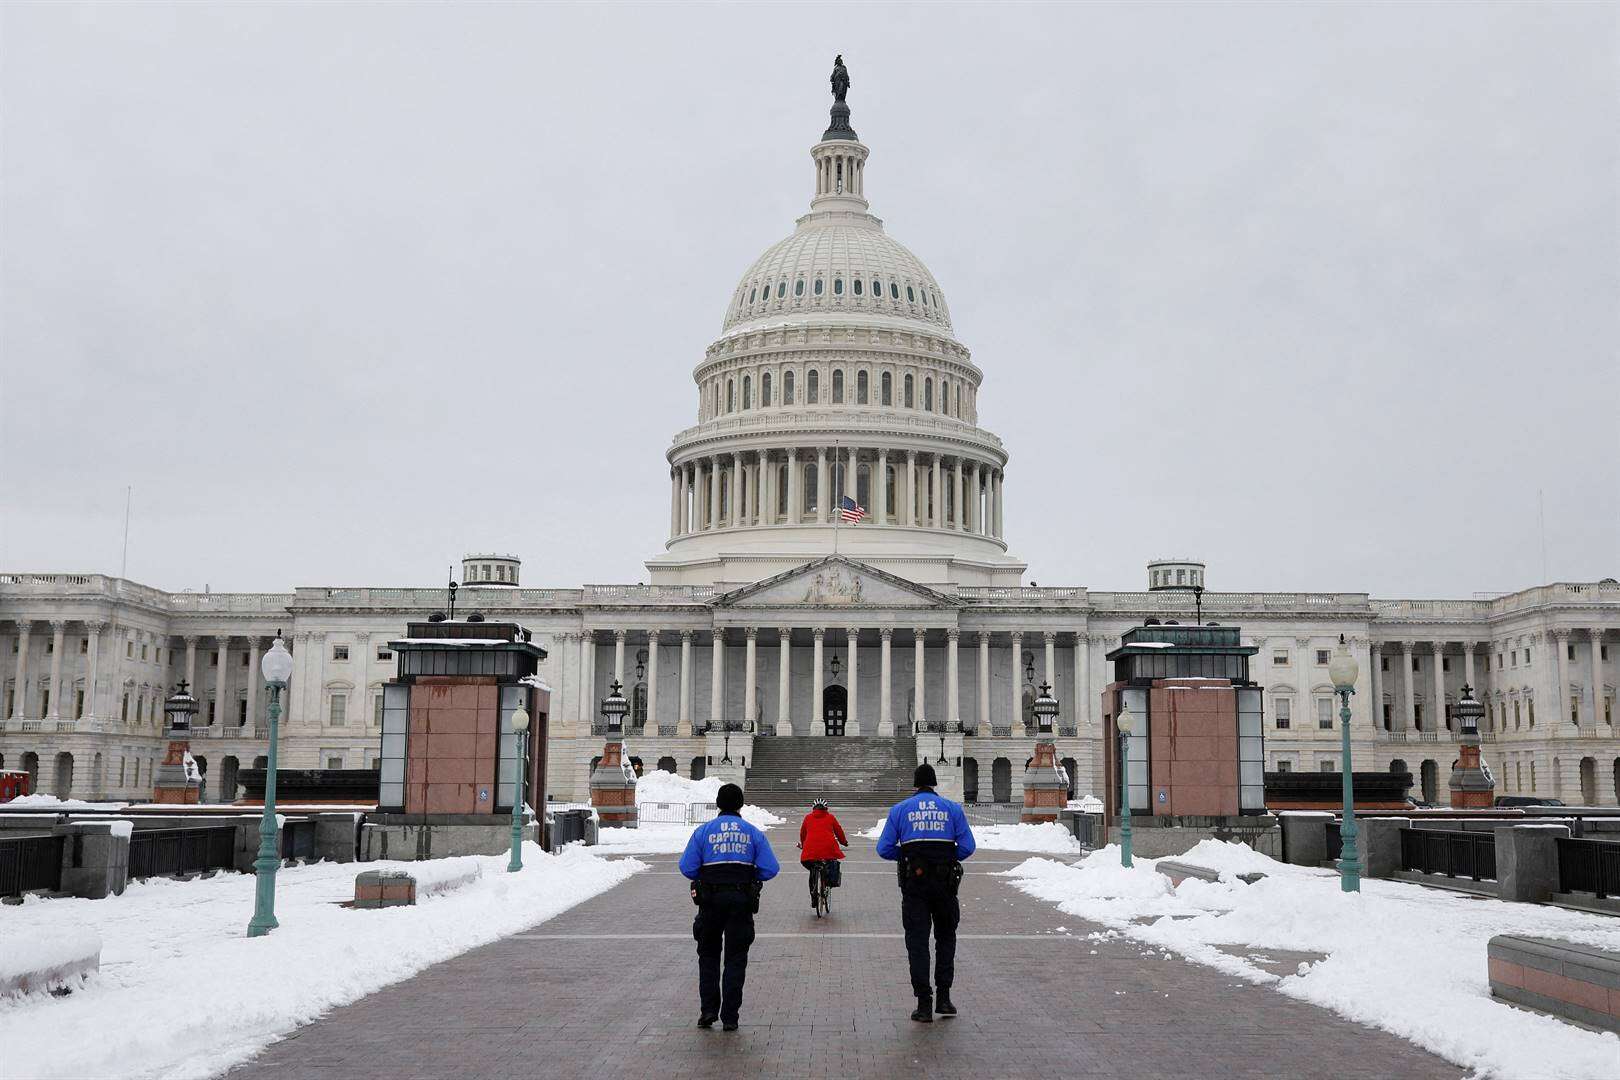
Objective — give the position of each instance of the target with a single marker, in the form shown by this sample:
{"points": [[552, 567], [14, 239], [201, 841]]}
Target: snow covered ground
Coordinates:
{"points": [[1401, 957], [183, 993]]}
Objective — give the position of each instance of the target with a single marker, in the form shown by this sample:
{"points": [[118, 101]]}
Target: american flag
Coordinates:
{"points": [[850, 510]]}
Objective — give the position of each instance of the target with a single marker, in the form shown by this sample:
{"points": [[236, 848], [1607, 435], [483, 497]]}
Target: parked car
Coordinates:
{"points": [[1526, 800]]}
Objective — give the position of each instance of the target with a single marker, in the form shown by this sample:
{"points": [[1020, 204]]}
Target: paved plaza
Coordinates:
{"points": [[610, 988]]}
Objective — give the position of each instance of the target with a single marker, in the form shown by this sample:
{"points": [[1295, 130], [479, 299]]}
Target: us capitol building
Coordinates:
{"points": [[836, 376]]}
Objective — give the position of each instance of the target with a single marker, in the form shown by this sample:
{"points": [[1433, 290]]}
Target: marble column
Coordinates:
{"points": [[674, 504], [222, 654], [1594, 641], [852, 724], [822, 488], [911, 487], [936, 492], [1376, 680], [1468, 670], [1082, 679], [1440, 717], [735, 516], [92, 666], [958, 517], [885, 684], [818, 722], [19, 697], [880, 487], [712, 517], [795, 494], [1558, 642], [852, 468], [253, 679], [1001, 503], [919, 643], [984, 682], [750, 692], [763, 511], [191, 662], [1409, 705], [652, 681], [618, 656], [784, 673], [58, 643], [953, 684], [1015, 718], [975, 508], [683, 725], [1050, 666], [586, 690], [717, 686]]}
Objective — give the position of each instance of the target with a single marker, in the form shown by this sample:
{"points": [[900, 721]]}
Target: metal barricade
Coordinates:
{"points": [[164, 852], [28, 863], [1451, 854], [1589, 866]]}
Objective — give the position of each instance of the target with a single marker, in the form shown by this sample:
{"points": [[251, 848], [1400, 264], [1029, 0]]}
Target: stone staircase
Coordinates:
{"points": [[848, 770]]}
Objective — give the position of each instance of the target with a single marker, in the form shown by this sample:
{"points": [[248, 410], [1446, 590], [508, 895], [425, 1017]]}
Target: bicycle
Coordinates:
{"points": [[820, 890]]}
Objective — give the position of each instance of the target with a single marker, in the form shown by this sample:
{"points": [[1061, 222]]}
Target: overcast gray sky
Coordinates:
{"points": [[1321, 294]]}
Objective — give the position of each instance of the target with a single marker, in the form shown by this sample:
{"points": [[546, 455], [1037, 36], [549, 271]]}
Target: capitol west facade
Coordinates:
{"points": [[836, 376]]}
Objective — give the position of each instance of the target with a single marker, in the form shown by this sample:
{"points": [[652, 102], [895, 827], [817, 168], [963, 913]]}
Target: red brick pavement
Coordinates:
{"points": [[609, 988]]}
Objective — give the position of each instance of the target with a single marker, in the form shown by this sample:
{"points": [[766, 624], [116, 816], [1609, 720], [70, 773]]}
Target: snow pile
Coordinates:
{"points": [[650, 838], [1048, 838], [666, 787], [163, 936], [34, 955], [1400, 957], [51, 802]]}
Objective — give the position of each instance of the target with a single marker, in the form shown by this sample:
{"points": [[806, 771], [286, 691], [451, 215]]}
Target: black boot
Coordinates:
{"points": [[942, 1003], [707, 1020], [924, 1012], [728, 1025]]}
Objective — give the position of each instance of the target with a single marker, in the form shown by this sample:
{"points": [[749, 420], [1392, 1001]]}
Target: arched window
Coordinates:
{"points": [[731, 395], [860, 388], [911, 294], [798, 287], [810, 486], [818, 286], [812, 387], [753, 293], [863, 484], [782, 490], [858, 286], [765, 390], [928, 395], [781, 289], [838, 386], [910, 400], [888, 388], [787, 387], [894, 291], [748, 392], [888, 489], [838, 286], [877, 288]]}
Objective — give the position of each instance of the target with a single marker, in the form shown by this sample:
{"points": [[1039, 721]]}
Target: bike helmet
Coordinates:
{"points": [[819, 800]]}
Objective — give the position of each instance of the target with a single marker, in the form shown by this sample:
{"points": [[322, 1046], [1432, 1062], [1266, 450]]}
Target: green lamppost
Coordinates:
{"points": [[1124, 723], [520, 730], [277, 668], [1342, 672]]}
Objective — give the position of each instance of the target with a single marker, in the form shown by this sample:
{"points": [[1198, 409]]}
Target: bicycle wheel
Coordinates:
{"points": [[817, 888]]}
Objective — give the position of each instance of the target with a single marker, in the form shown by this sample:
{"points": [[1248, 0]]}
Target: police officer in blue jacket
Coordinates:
{"points": [[727, 859], [928, 836]]}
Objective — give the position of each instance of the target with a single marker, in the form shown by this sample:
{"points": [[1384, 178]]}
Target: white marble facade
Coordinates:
{"points": [[836, 373]]}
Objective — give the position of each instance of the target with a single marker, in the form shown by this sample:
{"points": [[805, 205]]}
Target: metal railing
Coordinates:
{"points": [[30, 862], [1589, 866], [679, 813], [993, 813], [1449, 854], [161, 852]]}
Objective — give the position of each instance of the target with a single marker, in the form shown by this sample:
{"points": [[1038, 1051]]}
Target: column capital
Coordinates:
{"points": [[921, 632], [854, 632], [984, 637], [818, 632], [793, 453], [1595, 633], [224, 640], [618, 636], [1406, 647], [1050, 636], [191, 640], [718, 634], [59, 626], [25, 627], [1017, 635], [652, 637], [751, 632], [911, 455], [952, 633], [886, 633], [95, 628], [1557, 633], [686, 636]]}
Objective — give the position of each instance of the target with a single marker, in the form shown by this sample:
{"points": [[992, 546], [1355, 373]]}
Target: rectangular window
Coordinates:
{"points": [[395, 730], [1527, 658], [1388, 715], [1575, 708], [143, 650], [1285, 766], [1571, 652], [1321, 657], [1445, 663], [1417, 714], [333, 761], [244, 660], [1498, 661], [129, 650], [50, 646], [377, 709], [78, 704], [340, 652], [1383, 663], [241, 711], [340, 709], [1327, 765], [384, 654], [1285, 712], [84, 646], [212, 709], [213, 659], [1324, 713], [1416, 664], [1279, 659], [45, 702], [123, 713]]}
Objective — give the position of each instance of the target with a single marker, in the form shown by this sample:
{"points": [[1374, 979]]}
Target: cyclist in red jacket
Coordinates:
{"points": [[820, 837]]}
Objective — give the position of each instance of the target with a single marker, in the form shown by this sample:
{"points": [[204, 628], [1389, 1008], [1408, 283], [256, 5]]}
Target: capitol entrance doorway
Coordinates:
{"points": [[834, 702]]}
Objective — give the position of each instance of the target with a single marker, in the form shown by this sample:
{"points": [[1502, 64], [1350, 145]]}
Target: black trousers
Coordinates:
{"points": [[922, 907], [724, 929]]}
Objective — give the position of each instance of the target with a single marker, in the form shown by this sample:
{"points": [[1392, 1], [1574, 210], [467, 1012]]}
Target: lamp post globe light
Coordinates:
{"points": [[1046, 710], [520, 731], [1125, 723], [1342, 672], [277, 668]]}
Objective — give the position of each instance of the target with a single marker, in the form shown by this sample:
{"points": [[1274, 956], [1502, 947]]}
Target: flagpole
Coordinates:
{"points": [[838, 499]]}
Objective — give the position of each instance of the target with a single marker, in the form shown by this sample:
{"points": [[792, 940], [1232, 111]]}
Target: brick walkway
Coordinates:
{"points": [[609, 988]]}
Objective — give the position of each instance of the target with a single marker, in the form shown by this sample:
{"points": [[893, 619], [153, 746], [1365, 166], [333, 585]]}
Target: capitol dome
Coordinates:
{"points": [[838, 264]]}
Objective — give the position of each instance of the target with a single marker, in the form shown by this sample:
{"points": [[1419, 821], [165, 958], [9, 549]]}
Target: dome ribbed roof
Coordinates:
{"points": [[843, 253]]}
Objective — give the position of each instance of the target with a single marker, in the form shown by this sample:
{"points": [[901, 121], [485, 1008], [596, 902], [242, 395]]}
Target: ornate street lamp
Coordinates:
{"points": [[614, 710], [1468, 713], [1472, 785], [178, 709], [1046, 710], [520, 730], [613, 783], [277, 668], [177, 780], [834, 665], [1124, 723], [1342, 672]]}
